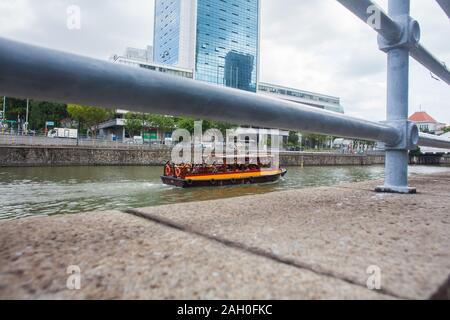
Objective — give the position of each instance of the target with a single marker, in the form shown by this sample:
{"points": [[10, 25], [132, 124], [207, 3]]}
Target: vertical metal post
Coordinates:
{"points": [[26, 116], [396, 171], [78, 132], [4, 108]]}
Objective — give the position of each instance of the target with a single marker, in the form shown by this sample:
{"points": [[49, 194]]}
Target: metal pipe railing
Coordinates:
{"points": [[429, 140], [389, 29], [399, 37], [445, 5], [431, 63], [392, 32], [33, 72]]}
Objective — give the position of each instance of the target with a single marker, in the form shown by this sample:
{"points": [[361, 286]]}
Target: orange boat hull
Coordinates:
{"points": [[225, 179]]}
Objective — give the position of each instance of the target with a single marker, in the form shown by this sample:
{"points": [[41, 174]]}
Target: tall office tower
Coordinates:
{"points": [[217, 39]]}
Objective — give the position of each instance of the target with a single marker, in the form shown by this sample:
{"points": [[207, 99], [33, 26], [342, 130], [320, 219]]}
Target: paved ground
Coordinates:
{"points": [[303, 244]]}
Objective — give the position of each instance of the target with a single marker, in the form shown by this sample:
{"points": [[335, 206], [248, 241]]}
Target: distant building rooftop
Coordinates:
{"points": [[317, 100], [422, 116]]}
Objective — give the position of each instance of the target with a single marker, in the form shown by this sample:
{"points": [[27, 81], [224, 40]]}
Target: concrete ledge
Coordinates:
{"points": [[339, 231], [303, 244], [125, 257]]}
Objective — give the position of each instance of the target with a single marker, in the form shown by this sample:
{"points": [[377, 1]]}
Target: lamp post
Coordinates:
{"points": [[3, 115], [4, 108], [26, 117]]}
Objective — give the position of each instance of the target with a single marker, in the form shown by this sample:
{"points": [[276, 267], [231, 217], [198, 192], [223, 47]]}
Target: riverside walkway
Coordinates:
{"points": [[313, 243]]}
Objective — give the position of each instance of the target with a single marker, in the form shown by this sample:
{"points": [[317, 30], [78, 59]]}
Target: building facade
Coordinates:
{"points": [[139, 58], [317, 100], [427, 123], [145, 55], [218, 40]]}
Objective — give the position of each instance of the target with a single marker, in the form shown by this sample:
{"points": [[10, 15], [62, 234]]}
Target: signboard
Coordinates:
{"points": [[50, 123], [153, 135], [149, 136]]}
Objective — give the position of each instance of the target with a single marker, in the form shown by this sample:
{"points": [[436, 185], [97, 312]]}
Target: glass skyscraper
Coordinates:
{"points": [[217, 39]]}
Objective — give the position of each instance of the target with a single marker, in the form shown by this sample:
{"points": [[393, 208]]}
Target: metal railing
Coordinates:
{"points": [[33, 72], [82, 142]]}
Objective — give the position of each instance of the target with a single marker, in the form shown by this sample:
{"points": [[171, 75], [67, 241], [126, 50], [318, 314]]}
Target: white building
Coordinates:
{"points": [[139, 58], [145, 55], [427, 123], [317, 100]]}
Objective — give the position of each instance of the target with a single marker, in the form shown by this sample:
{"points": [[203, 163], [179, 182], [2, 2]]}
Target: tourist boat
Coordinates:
{"points": [[223, 174]]}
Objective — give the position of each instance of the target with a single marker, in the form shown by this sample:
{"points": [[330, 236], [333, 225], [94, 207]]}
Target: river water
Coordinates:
{"points": [[62, 190]]}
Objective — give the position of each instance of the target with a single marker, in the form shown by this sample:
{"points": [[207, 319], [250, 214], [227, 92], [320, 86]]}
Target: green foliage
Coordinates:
{"points": [[89, 116], [415, 153], [134, 123], [315, 140], [160, 121], [293, 139], [15, 108], [185, 123], [447, 129], [222, 126], [188, 124], [41, 111]]}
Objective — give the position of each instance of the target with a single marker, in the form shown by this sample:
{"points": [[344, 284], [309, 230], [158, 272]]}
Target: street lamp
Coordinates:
{"points": [[4, 108], [26, 117]]}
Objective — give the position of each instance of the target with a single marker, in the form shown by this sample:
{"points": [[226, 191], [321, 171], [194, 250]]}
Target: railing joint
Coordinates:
{"points": [[409, 37]]}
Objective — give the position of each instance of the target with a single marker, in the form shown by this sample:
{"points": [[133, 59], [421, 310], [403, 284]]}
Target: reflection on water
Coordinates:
{"points": [[48, 191]]}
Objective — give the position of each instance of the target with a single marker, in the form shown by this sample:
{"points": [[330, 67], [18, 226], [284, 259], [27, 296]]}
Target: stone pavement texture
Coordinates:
{"points": [[304, 244]]}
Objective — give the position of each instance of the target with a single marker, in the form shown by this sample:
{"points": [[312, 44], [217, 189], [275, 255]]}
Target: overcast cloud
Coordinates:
{"points": [[314, 45]]}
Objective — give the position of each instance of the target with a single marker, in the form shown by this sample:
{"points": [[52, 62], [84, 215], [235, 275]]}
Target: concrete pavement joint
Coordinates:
{"points": [[443, 293], [255, 251]]}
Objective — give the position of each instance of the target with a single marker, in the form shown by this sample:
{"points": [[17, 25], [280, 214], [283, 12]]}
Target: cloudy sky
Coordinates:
{"points": [[313, 45]]}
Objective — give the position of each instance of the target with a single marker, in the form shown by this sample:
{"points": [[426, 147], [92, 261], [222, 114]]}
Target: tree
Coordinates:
{"points": [[415, 153], [293, 139], [161, 122], [134, 123], [39, 112], [42, 111], [89, 116], [188, 124], [222, 126], [15, 108], [314, 140], [447, 129], [185, 123]]}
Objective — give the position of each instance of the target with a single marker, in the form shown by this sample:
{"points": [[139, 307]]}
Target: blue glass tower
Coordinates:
{"points": [[167, 22], [218, 39]]}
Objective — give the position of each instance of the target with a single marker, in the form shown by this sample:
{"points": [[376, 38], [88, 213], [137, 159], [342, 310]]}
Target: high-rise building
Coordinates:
{"points": [[217, 39], [145, 55]]}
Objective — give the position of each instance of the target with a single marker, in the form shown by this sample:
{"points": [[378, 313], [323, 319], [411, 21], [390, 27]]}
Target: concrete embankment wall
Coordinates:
{"points": [[81, 156], [329, 159], [11, 156], [445, 160]]}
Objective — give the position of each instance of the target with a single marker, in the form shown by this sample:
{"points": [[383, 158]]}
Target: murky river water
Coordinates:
{"points": [[49, 191]]}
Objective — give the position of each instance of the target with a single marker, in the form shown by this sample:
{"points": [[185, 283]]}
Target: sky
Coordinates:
{"points": [[314, 45]]}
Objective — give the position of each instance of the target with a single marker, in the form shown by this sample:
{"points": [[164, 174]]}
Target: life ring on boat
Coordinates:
{"points": [[177, 172], [233, 181], [167, 170], [189, 182], [212, 181]]}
